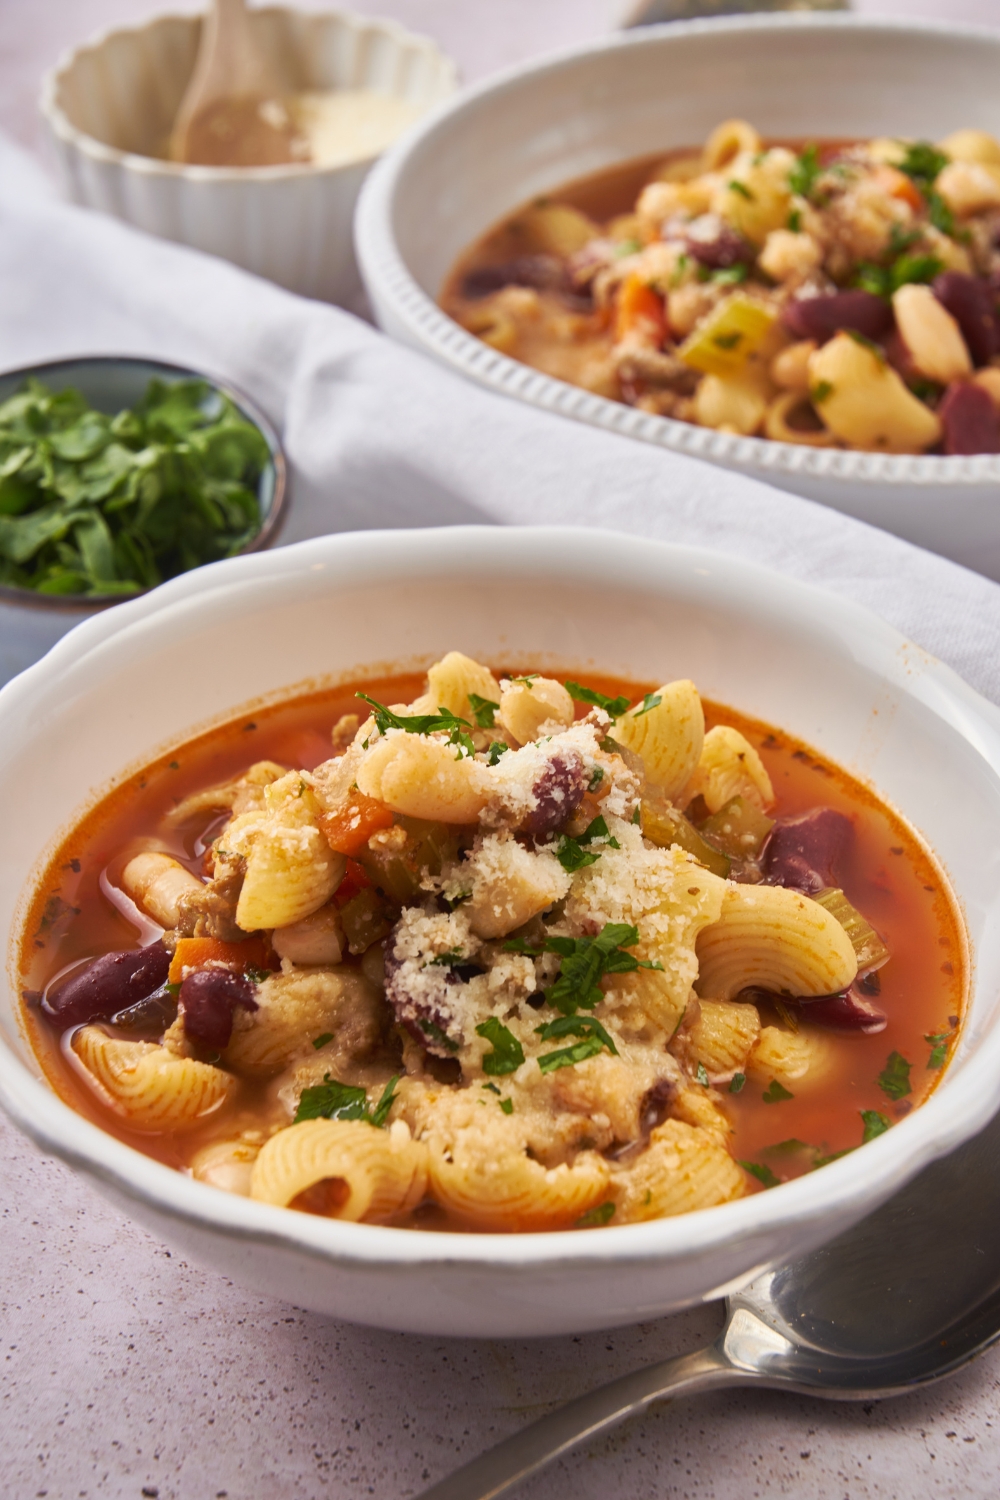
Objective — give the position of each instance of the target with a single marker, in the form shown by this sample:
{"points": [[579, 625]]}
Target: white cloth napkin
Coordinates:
{"points": [[378, 436]]}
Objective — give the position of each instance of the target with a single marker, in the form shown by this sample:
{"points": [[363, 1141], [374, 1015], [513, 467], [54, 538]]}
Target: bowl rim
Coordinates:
{"points": [[388, 279], [949, 1116], [153, 166], [270, 526]]}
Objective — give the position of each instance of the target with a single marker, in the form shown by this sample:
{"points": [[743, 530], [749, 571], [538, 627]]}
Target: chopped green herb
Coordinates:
{"points": [[776, 1093], [922, 163], [586, 960], [637, 815], [433, 1030], [507, 1055], [925, 390], [596, 777], [507, 1105], [938, 1042], [568, 1057], [587, 1027], [795, 220], [331, 1100], [791, 1147], [255, 975], [821, 391], [901, 239], [727, 340], [736, 1082], [95, 504], [867, 343], [874, 1123], [321, 1041], [740, 187], [804, 172], [894, 1078], [173, 990], [595, 1217], [483, 710], [730, 275], [497, 748], [421, 723], [447, 959], [492, 1088], [762, 1173], [651, 700], [572, 856], [905, 270], [613, 706], [701, 1074], [525, 681], [824, 1161]]}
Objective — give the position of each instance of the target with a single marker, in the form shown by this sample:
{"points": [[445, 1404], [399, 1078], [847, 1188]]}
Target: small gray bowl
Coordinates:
{"points": [[30, 623]]}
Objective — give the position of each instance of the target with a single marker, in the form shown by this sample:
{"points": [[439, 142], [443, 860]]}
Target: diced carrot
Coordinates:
{"points": [[354, 880], [349, 828], [194, 953], [898, 185], [640, 310]]}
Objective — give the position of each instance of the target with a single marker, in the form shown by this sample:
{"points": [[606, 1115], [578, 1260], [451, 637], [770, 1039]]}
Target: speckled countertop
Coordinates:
{"points": [[128, 1372]]}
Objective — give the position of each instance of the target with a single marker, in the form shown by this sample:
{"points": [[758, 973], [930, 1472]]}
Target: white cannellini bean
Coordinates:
{"points": [[931, 335]]}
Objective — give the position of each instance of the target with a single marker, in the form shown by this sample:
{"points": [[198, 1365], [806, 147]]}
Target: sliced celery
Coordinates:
{"points": [[724, 340], [738, 829], [664, 825], [870, 950]]}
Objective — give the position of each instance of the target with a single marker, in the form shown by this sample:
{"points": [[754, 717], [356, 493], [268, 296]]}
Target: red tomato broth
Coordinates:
{"points": [[887, 875]]}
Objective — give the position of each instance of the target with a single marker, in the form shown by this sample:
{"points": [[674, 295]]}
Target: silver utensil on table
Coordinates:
{"points": [[648, 12], [909, 1295]]}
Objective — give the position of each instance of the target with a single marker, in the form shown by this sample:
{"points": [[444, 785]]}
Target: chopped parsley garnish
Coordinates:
{"points": [[740, 187], [321, 1041], [448, 959], [492, 1088], [894, 1078], [762, 1173], [583, 1026], [572, 856], [791, 1147], [433, 1030], [923, 163], [821, 391], [596, 777], [497, 748], [701, 1074], [585, 961], [424, 724], [874, 1123], [332, 1100], [939, 213], [730, 275], [99, 504], [804, 172], [568, 1057], [595, 1217], [737, 1082], [824, 1161], [525, 681], [795, 220], [507, 1105], [507, 1055], [637, 815], [905, 270], [651, 700], [173, 990], [256, 975], [776, 1093], [483, 710], [613, 706], [938, 1042], [727, 340]]}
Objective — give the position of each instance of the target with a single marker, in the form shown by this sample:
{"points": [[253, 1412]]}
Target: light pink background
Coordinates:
{"points": [[127, 1372]]}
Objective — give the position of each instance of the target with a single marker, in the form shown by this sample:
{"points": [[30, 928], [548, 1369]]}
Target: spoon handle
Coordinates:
{"points": [[512, 1460]]}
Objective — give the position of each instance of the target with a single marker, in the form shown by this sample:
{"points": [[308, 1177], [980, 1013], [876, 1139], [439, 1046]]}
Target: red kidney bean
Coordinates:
{"points": [[558, 793], [544, 272], [713, 243], [108, 984], [848, 1011], [972, 304], [208, 998], [821, 317], [805, 852], [970, 420]]}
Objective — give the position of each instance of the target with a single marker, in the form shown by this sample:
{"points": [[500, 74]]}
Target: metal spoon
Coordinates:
{"points": [[909, 1295]]}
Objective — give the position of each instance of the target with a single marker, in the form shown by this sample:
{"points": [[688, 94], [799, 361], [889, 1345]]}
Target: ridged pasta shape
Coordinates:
{"points": [[424, 778], [728, 140], [525, 706], [668, 737], [729, 767], [294, 1009], [653, 994], [156, 882], [501, 1190], [227, 1165], [239, 795], [291, 870], [147, 1086], [683, 1169], [790, 1056], [721, 1038], [449, 683], [698, 1106], [382, 1172], [776, 939]]}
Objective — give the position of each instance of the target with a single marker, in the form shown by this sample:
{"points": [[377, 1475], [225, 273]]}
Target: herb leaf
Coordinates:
{"points": [[938, 1042], [331, 1100], [613, 706], [380, 1113], [776, 1093], [651, 700], [701, 1074], [321, 1041], [762, 1172], [894, 1078], [415, 723], [568, 1057], [874, 1123], [736, 1083], [497, 748], [595, 1217], [483, 710], [804, 172], [507, 1055]]}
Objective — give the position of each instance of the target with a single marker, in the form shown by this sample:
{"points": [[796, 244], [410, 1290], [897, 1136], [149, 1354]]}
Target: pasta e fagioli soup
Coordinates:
{"points": [[492, 950]]}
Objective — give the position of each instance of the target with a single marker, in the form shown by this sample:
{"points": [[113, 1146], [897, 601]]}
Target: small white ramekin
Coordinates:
{"points": [[109, 107], [529, 130], [142, 678]]}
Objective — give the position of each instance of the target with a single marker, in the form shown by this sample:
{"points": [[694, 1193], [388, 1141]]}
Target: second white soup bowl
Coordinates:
{"points": [[129, 684]]}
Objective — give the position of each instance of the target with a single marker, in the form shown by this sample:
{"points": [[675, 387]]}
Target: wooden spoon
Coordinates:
{"points": [[231, 114]]}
